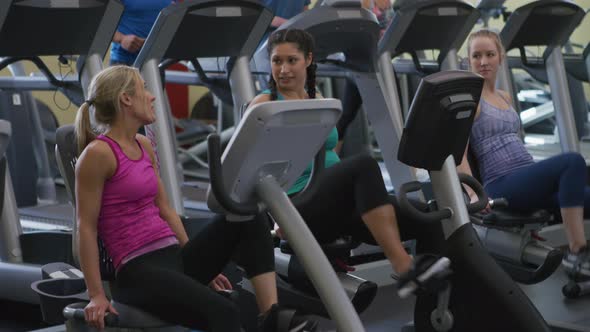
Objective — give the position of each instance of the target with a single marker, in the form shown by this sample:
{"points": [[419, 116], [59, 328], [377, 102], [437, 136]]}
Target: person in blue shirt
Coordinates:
{"points": [[137, 21], [285, 9]]}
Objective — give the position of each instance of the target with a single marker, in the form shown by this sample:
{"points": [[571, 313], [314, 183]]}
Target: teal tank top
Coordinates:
{"points": [[331, 157]]}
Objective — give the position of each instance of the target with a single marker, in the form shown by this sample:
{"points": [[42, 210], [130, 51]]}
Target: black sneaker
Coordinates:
{"points": [[577, 265], [278, 319]]}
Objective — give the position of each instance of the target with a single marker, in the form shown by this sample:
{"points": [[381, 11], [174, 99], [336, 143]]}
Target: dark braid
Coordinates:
{"points": [[305, 44], [273, 88], [310, 82]]}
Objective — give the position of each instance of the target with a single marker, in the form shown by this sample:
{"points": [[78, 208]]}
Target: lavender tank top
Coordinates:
{"points": [[129, 218], [496, 144]]}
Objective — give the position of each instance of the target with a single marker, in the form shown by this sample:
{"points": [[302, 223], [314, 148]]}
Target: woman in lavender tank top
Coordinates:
{"points": [[507, 168], [120, 198]]}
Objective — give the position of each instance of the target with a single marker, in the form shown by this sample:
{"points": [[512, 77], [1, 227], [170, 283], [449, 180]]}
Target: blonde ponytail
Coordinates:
{"points": [[83, 127]]}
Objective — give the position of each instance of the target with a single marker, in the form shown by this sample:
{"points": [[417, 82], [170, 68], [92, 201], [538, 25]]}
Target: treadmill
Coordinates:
{"points": [[233, 29], [576, 74], [31, 173], [528, 26], [23, 253], [411, 32], [33, 177]]}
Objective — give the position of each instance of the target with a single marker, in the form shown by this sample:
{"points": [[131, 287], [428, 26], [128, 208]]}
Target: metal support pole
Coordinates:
{"points": [[382, 106], [10, 228], [386, 76], [451, 61], [314, 261], [447, 191], [564, 113], [92, 66], [504, 82], [242, 85], [162, 137]]}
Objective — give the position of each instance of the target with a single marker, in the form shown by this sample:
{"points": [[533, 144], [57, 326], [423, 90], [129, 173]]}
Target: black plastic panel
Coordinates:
{"points": [[440, 119], [432, 31], [541, 23], [227, 36], [34, 28]]}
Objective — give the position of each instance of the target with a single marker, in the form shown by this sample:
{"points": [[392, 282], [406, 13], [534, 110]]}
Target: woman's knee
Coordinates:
{"points": [[256, 234], [223, 314], [367, 163], [260, 224], [575, 161], [259, 260]]}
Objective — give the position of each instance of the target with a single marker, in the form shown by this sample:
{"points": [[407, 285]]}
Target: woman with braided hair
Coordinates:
{"points": [[351, 198]]}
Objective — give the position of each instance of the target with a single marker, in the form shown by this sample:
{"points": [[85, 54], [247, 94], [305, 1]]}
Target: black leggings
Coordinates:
{"points": [[171, 283], [351, 188]]}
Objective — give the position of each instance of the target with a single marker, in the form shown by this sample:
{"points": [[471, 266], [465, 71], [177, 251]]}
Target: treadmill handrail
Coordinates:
{"points": [[5, 62]]}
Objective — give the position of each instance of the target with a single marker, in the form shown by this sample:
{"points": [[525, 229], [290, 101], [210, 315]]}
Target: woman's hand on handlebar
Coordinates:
{"points": [[279, 233], [473, 198], [95, 311], [220, 283]]}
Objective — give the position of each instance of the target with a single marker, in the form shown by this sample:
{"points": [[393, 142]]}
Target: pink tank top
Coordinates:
{"points": [[129, 218]]}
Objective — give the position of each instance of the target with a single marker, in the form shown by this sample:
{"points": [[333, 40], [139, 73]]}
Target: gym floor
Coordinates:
{"points": [[387, 312]]}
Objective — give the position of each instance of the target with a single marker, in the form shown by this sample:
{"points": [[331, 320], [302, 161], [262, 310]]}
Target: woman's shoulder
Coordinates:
{"points": [[97, 148], [261, 98], [97, 156], [144, 141]]}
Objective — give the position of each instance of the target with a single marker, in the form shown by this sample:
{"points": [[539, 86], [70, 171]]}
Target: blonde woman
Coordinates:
{"points": [[121, 199], [508, 170]]}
